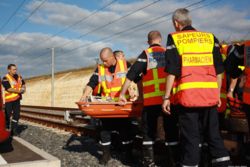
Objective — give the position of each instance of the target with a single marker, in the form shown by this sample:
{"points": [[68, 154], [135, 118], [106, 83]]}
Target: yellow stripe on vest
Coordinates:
{"points": [[197, 85]]}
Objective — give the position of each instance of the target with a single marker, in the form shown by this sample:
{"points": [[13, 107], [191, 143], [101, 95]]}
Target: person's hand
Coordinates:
{"points": [[243, 80], [166, 106], [230, 94], [122, 100], [133, 98], [83, 98], [22, 90], [219, 103]]}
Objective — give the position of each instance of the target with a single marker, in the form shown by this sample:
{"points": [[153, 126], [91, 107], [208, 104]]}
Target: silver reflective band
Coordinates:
{"points": [[127, 142], [138, 136], [95, 73], [231, 50], [171, 143], [189, 166], [147, 143], [200, 145], [216, 45], [14, 120], [142, 60], [114, 131], [221, 159], [171, 47], [105, 144], [134, 123]]}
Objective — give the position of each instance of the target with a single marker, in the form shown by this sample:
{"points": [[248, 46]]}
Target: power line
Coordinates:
{"points": [[129, 29], [71, 25], [12, 15], [24, 21], [121, 32], [105, 25], [140, 26], [114, 21]]}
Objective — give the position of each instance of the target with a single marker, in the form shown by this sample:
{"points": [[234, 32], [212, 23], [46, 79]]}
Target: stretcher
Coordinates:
{"points": [[237, 121], [111, 109]]}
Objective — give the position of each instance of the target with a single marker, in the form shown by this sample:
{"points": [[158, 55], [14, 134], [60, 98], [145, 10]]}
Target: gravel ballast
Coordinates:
{"points": [[83, 152]]}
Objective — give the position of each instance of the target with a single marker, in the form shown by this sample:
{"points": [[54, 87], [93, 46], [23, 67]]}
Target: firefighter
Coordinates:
{"points": [[14, 87], [193, 58], [241, 57], [110, 76], [150, 65]]}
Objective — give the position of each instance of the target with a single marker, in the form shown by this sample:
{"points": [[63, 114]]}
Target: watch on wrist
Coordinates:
{"points": [[165, 97], [231, 89]]}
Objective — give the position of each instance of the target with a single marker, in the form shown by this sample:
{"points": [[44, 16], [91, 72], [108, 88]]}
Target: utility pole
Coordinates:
{"points": [[52, 76]]}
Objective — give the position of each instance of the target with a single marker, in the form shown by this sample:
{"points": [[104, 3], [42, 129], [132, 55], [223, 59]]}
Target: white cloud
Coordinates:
{"points": [[36, 60], [221, 19]]}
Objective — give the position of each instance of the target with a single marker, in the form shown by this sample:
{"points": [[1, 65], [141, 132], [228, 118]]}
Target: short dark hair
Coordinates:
{"points": [[11, 65], [117, 52], [152, 35]]}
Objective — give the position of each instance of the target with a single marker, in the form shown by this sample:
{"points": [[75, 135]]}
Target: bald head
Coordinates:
{"points": [[107, 57]]}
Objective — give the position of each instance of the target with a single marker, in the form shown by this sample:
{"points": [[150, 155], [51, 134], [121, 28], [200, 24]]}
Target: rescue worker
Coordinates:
{"points": [[111, 75], [193, 59], [119, 54], [150, 64], [240, 57], [14, 87]]}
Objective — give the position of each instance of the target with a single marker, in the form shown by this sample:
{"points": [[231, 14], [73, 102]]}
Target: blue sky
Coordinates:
{"points": [[28, 47]]}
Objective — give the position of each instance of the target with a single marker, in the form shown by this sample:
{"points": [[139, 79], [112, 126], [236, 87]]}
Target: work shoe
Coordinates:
{"points": [[106, 156], [148, 156]]}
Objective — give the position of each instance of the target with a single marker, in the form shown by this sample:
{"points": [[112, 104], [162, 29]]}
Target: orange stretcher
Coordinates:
{"points": [[111, 109]]}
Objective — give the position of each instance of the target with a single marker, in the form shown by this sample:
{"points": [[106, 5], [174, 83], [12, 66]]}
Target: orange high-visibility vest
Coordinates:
{"points": [[16, 84], [197, 86], [246, 89], [155, 78], [111, 84]]}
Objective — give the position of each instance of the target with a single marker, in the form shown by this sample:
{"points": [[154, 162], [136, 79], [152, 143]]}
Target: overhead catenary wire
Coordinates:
{"points": [[159, 21], [126, 30], [24, 21], [71, 25], [132, 28], [105, 25], [12, 15]]}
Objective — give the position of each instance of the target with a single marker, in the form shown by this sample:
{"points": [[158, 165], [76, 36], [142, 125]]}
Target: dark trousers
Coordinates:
{"points": [[196, 126], [150, 116], [121, 125], [14, 109], [246, 109]]}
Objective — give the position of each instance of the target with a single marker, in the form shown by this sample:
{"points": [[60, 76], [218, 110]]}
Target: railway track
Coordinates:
{"points": [[59, 118]]}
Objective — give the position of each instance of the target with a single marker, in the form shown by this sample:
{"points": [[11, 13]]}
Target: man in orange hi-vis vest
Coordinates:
{"points": [[193, 59], [150, 64], [109, 76], [14, 87]]}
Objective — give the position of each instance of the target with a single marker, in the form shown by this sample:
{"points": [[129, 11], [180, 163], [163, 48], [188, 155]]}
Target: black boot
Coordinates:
{"points": [[173, 154], [128, 152], [14, 128], [148, 156], [105, 155]]}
